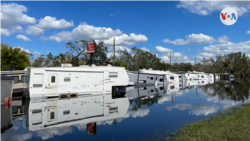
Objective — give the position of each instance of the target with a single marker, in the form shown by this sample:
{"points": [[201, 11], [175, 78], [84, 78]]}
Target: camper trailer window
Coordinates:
{"points": [[179, 76], [113, 74], [171, 77], [24, 79], [38, 80], [16, 79], [53, 79], [202, 76], [66, 79]]}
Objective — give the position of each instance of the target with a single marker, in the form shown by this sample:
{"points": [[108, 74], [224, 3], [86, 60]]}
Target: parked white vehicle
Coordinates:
{"points": [[173, 88], [188, 75], [56, 112], [136, 77], [147, 91], [170, 77], [202, 76], [74, 81], [210, 77]]}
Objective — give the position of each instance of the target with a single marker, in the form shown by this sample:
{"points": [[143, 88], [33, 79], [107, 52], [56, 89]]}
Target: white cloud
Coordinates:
{"points": [[141, 112], [22, 49], [162, 49], [223, 40], [227, 48], [176, 57], [117, 48], [192, 39], [189, 49], [11, 16], [47, 23], [111, 15], [205, 55], [145, 49], [5, 32], [111, 54], [126, 40], [35, 53], [248, 32], [51, 22], [85, 31], [34, 30], [22, 37], [207, 7], [196, 109]]}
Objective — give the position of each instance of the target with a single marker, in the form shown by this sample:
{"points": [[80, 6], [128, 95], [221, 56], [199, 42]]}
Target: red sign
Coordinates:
{"points": [[91, 46], [91, 128]]}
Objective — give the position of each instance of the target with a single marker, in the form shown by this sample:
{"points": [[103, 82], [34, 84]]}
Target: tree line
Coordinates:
{"points": [[236, 63]]}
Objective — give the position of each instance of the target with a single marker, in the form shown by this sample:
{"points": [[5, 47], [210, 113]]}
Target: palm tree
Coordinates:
{"points": [[227, 64]]}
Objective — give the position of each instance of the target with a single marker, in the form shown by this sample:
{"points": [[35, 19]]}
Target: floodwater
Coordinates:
{"points": [[143, 113]]}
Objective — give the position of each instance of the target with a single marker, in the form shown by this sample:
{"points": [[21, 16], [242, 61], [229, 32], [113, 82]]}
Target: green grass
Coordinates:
{"points": [[231, 125]]}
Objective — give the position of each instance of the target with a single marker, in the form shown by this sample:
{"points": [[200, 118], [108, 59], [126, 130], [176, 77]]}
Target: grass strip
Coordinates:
{"points": [[232, 124]]}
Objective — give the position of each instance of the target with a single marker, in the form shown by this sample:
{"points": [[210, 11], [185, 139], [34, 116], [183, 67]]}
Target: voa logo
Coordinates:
{"points": [[228, 16]]}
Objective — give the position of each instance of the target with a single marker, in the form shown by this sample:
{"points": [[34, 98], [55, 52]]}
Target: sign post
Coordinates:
{"points": [[91, 48]]}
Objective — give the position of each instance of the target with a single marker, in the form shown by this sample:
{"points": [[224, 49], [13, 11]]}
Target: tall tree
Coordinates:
{"points": [[13, 57]]}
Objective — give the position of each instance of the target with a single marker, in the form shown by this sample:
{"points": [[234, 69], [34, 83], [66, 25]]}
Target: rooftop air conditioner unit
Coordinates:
{"points": [[66, 65]]}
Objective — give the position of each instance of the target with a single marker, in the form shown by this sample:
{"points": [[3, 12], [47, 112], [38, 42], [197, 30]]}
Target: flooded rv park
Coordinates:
{"points": [[128, 113]]}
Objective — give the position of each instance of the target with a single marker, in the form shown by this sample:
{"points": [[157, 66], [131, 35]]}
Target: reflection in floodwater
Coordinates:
{"points": [[127, 111], [52, 113]]}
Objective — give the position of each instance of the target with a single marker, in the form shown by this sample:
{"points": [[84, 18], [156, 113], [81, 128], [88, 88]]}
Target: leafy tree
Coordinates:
{"points": [[13, 57]]}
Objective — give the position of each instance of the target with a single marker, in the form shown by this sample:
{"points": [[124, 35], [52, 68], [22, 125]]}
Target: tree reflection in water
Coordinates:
{"points": [[237, 90]]}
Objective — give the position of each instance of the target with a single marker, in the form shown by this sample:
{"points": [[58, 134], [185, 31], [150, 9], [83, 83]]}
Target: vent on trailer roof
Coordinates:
{"points": [[66, 65]]}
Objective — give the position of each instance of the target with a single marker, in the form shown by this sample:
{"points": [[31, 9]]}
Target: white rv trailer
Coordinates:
{"points": [[136, 77], [146, 91], [173, 88], [210, 77], [6, 88], [20, 80], [74, 81], [56, 112], [188, 75], [202, 76], [171, 77]]}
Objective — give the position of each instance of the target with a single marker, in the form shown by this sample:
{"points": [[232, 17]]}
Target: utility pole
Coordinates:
{"points": [[114, 52], [194, 62], [170, 61]]}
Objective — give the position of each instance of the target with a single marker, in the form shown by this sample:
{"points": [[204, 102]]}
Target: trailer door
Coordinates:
{"points": [[52, 88]]}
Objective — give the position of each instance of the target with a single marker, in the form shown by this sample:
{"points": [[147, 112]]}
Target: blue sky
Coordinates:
{"points": [[187, 29]]}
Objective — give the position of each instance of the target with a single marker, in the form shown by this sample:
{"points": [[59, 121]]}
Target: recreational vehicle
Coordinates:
{"points": [[20, 81], [210, 77], [173, 88], [170, 77], [74, 81], [136, 77], [143, 92], [202, 76], [6, 89], [56, 112], [188, 75]]}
